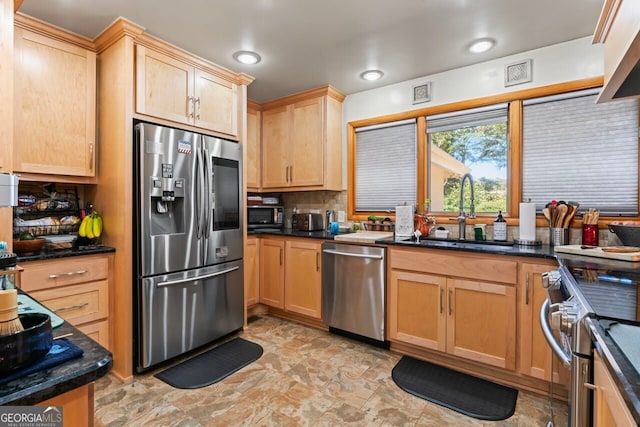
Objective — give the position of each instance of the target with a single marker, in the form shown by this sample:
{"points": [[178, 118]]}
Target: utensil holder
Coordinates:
{"points": [[558, 236]]}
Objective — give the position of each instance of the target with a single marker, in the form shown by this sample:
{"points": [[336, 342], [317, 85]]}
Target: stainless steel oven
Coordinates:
{"points": [[564, 312]]}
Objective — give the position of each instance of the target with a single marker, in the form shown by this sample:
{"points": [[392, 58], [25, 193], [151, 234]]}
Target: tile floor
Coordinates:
{"points": [[305, 377]]}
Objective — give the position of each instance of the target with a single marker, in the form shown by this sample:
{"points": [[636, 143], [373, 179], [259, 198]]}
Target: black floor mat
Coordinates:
{"points": [[212, 366], [460, 392]]}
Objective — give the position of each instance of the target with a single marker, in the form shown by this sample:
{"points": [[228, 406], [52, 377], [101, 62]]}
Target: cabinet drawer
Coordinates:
{"points": [[48, 274], [77, 304], [463, 264], [97, 331]]}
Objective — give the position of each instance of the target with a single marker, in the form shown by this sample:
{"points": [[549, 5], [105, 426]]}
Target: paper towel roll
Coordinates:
{"points": [[528, 221]]}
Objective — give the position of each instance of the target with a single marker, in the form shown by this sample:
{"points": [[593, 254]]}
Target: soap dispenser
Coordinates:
{"points": [[500, 228]]}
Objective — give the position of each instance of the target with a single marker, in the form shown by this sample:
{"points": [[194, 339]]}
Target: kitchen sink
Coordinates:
{"points": [[453, 243]]}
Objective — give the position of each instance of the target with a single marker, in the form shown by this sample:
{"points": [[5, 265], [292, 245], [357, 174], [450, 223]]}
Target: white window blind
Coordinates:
{"points": [[386, 166], [488, 115], [577, 150]]}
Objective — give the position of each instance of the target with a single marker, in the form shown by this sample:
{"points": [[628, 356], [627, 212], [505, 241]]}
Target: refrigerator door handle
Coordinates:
{"points": [[191, 279], [199, 195], [209, 211]]}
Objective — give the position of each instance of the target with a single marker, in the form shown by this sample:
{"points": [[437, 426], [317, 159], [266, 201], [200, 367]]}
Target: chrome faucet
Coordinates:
{"points": [[462, 219]]}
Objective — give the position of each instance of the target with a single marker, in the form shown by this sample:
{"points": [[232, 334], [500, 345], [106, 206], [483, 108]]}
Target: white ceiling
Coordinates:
{"points": [[309, 43]]}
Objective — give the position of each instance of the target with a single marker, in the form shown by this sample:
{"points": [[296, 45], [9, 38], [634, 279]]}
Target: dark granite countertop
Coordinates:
{"points": [[288, 232], [63, 253], [45, 384], [624, 374], [544, 251]]}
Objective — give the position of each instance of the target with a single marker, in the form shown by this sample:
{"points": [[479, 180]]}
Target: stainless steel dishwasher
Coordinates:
{"points": [[353, 290]]}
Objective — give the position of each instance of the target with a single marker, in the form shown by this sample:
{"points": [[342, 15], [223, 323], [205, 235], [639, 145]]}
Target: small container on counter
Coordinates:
{"points": [[500, 228]]}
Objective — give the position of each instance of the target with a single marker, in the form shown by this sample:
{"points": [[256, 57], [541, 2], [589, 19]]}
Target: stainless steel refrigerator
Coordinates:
{"points": [[188, 251]]}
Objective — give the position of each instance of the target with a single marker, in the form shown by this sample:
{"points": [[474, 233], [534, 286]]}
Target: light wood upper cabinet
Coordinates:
{"points": [[272, 272], [302, 142], [252, 147], [619, 29], [468, 318], [55, 105], [251, 271], [303, 282], [275, 147], [175, 90]]}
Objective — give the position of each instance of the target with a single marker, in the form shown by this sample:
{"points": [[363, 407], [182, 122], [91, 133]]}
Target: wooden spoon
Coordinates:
{"points": [[547, 214], [571, 210], [562, 212]]}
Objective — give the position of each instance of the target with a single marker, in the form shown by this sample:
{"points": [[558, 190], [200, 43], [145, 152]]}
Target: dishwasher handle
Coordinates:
{"points": [[351, 254]]}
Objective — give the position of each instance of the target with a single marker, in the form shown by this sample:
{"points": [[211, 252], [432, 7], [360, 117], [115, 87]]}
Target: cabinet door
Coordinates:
{"points": [[251, 271], [535, 354], [417, 309], [307, 143], [252, 149], [609, 408], [272, 272], [216, 103], [303, 285], [164, 86], [481, 322], [275, 147], [55, 106]]}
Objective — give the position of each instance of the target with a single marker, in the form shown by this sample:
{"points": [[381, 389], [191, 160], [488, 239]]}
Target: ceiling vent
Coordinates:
{"points": [[421, 93], [517, 73]]}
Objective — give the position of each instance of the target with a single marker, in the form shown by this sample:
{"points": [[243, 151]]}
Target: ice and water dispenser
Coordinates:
{"points": [[167, 202]]}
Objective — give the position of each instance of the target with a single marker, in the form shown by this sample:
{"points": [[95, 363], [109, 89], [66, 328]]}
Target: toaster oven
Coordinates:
{"points": [[263, 216], [307, 222]]}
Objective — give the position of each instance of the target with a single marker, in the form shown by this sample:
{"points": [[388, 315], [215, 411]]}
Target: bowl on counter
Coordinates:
{"points": [[23, 348], [628, 232], [28, 247]]}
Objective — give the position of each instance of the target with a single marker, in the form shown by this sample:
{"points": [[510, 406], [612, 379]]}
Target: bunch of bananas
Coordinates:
{"points": [[91, 226]]}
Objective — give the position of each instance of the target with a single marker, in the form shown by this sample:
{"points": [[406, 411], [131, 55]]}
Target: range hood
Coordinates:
{"points": [[619, 30]]}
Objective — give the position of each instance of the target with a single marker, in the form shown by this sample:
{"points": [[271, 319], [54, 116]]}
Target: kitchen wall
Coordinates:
{"points": [[573, 60]]}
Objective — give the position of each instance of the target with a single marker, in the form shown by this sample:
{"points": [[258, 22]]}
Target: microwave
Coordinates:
{"points": [[263, 216]]}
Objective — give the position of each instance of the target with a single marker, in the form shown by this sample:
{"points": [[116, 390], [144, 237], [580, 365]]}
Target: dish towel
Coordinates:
{"points": [[61, 351]]}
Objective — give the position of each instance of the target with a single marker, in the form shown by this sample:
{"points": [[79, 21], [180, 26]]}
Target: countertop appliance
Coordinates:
{"points": [[582, 290], [307, 222], [353, 291], [262, 216], [188, 246]]}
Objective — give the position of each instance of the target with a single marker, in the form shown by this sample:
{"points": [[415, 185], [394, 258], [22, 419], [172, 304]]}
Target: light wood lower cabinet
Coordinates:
{"points": [[272, 272], [78, 406], [534, 352], [251, 271], [303, 280], [609, 408], [76, 289], [290, 275], [468, 318]]}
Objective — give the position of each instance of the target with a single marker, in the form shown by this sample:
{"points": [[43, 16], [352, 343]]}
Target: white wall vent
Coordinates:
{"points": [[518, 73], [421, 93]]}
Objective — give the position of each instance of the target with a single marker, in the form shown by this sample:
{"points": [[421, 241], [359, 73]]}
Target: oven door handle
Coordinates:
{"points": [[548, 334]]}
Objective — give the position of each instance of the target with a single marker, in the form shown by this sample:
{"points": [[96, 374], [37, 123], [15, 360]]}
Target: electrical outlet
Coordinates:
{"points": [[341, 217]]}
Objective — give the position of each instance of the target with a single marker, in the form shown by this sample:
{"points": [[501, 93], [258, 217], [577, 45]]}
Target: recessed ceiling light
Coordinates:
{"points": [[481, 45], [246, 57], [372, 75]]}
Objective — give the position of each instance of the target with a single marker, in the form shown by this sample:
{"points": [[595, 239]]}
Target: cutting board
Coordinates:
{"points": [[363, 236], [598, 252]]}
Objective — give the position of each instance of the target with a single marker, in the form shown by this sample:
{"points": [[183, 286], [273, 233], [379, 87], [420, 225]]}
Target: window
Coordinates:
{"points": [[577, 150], [385, 166], [470, 141]]}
